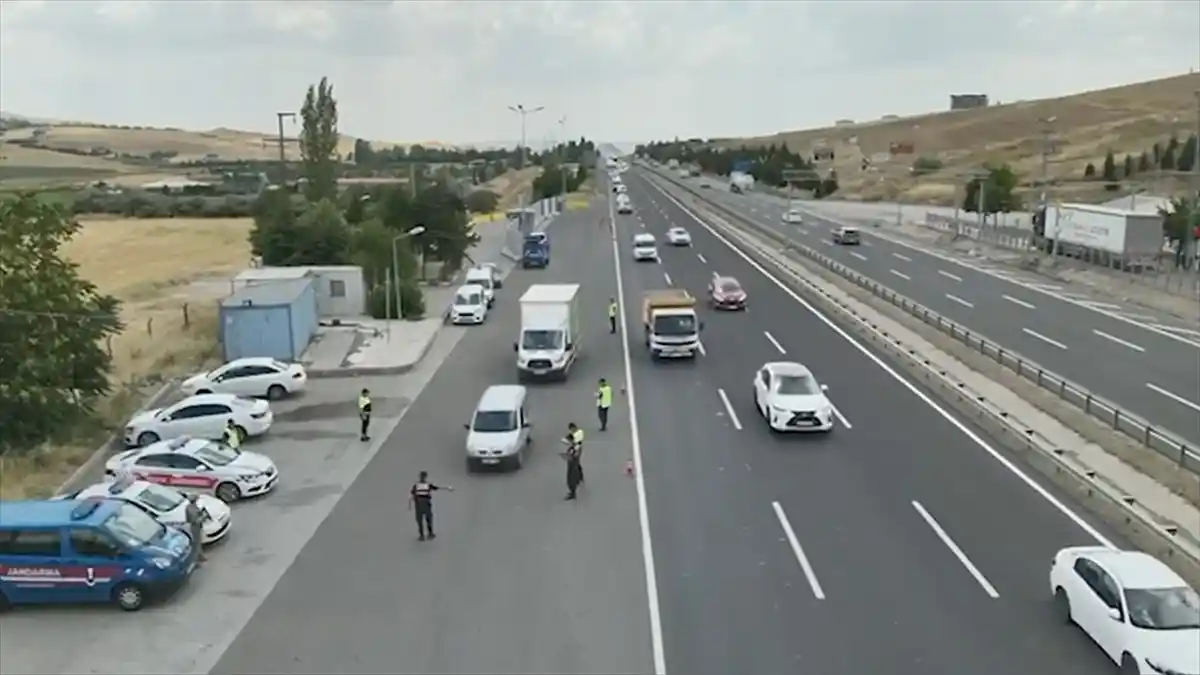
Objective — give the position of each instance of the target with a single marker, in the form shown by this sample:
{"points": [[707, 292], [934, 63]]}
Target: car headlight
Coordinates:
{"points": [[249, 476], [161, 563], [826, 412]]}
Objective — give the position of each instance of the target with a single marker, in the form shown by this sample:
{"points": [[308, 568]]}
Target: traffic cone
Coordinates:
{"points": [[629, 468]]}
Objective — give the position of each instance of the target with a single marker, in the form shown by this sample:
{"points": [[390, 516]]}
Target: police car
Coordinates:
{"points": [[198, 465], [202, 515]]}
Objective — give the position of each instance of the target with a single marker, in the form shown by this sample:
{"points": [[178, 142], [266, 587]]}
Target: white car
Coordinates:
{"points": [[254, 376], [470, 305], [198, 465], [645, 247], [1134, 607], [495, 269], [789, 398], [483, 277], [793, 217], [677, 236], [209, 515], [201, 416], [624, 206]]}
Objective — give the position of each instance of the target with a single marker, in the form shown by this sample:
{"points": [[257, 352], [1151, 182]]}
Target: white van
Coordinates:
{"points": [[499, 431], [470, 305], [485, 277], [645, 247]]}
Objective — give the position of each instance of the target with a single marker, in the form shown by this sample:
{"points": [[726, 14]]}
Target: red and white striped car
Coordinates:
{"points": [[198, 465]]}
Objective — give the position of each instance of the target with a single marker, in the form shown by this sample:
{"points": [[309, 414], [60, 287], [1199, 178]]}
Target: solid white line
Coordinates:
{"points": [[958, 552], [902, 257], [841, 418], [955, 298], [912, 388], [656, 634], [737, 424], [1101, 305], [859, 256], [949, 276], [902, 275], [667, 277], [1174, 397], [772, 340], [1018, 302], [798, 551], [701, 257], [1045, 339], [802, 231], [1119, 341]]}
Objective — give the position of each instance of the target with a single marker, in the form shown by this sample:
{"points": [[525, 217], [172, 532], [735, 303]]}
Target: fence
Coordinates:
{"points": [[1127, 423]]}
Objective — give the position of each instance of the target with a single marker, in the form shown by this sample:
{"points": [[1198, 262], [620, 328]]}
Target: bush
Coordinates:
{"points": [[482, 201], [140, 204], [412, 302], [926, 165]]}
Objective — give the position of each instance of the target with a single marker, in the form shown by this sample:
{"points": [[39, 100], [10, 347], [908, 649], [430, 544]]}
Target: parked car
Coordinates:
{"points": [[201, 416], [253, 376]]}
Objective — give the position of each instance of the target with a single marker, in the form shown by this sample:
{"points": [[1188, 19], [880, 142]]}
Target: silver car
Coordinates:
{"points": [[498, 433]]}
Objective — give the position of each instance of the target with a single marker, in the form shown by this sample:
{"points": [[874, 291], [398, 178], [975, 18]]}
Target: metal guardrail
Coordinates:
{"points": [[1127, 423]]}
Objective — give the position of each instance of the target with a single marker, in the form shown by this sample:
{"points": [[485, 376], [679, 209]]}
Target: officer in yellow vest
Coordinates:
{"points": [[603, 402], [232, 437], [612, 315], [364, 414]]}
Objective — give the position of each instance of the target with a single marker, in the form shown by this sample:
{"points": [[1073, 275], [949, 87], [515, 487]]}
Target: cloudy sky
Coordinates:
{"points": [[617, 70]]}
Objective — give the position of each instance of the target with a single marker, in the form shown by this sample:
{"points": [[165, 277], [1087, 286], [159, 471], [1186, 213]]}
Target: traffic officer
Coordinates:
{"points": [[364, 414], [231, 436], [603, 402], [573, 455], [421, 497], [612, 315]]}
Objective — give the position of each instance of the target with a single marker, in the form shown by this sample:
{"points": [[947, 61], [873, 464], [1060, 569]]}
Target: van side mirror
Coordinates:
{"points": [[701, 325], [570, 346], [515, 349], [824, 387], [526, 424], [1115, 614], [467, 426]]}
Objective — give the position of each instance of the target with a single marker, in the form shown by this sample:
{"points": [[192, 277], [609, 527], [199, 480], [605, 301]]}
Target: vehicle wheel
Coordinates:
{"points": [[129, 597], [146, 438], [1062, 606], [5, 605], [241, 432], [472, 467], [518, 460], [228, 493], [276, 392], [1129, 665], [203, 391]]}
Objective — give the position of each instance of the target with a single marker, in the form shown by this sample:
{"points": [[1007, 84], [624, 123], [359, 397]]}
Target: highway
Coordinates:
{"points": [[1103, 346]]}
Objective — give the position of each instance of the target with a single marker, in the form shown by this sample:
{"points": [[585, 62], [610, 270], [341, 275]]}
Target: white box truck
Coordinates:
{"points": [[671, 327], [740, 182], [551, 334], [1130, 234]]}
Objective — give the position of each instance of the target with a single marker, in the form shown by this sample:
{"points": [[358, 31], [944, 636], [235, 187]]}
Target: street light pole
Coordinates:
{"points": [[562, 154], [279, 118], [412, 232], [524, 112]]}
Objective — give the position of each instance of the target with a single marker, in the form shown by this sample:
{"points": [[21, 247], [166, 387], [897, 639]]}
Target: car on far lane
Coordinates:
{"points": [[645, 247], [624, 206], [705, 184], [253, 376], [1139, 611], [793, 217], [200, 466], [677, 236], [789, 398], [202, 514], [726, 293], [203, 416], [847, 236]]}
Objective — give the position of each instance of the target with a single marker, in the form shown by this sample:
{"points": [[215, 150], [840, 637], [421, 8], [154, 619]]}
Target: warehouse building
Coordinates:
{"points": [[275, 319]]}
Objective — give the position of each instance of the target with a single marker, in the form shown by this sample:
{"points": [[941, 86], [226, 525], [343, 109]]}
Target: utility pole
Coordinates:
{"points": [[1195, 220], [283, 140], [1047, 150], [524, 112], [562, 155]]}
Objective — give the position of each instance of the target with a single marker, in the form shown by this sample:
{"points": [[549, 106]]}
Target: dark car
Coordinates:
{"points": [[726, 293], [846, 236]]}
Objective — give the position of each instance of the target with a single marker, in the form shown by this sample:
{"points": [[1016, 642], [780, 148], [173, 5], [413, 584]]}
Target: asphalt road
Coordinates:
{"points": [[1152, 373], [518, 581], [890, 596]]}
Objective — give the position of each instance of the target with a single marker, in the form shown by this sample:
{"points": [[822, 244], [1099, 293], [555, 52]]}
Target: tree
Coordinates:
{"points": [[1089, 171], [53, 367], [273, 237], [322, 236], [1128, 169], [1178, 218], [318, 142], [482, 201], [1110, 168], [999, 192], [364, 154], [1144, 163], [1187, 155], [1167, 161], [926, 165], [354, 203], [447, 234]]}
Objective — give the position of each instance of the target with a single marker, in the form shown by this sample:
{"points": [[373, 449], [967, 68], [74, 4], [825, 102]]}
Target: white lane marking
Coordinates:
{"points": [[1045, 339], [859, 256], [841, 418], [737, 424], [1101, 305], [802, 231], [1018, 302], [1174, 397], [656, 634], [955, 298], [798, 551], [902, 275], [701, 258], [1123, 343], [772, 340], [946, 415], [958, 552], [702, 350], [667, 277], [949, 276], [826, 242], [902, 257], [866, 243]]}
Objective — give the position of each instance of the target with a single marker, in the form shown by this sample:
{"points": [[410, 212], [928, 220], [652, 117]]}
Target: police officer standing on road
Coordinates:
{"points": [[232, 437], [612, 315], [573, 455], [421, 497], [603, 402], [364, 414]]}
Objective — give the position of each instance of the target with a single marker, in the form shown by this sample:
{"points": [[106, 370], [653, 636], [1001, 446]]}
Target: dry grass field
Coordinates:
{"points": [[1127, 119], [157, 268]]}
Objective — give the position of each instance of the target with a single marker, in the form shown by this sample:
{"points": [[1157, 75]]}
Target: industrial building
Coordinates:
{"points": [[275, 319], [340, 290]]}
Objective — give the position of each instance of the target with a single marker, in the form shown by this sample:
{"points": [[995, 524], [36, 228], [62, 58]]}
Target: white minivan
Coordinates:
{"points": [[470, 305], [498, 433], [645, 247], [485, 277]]}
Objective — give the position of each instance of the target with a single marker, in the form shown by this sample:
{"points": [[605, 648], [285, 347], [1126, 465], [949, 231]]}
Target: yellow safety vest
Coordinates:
{"points": [[364, 403], [232, 438], [604, 396], [612, 310], [577, 437]]}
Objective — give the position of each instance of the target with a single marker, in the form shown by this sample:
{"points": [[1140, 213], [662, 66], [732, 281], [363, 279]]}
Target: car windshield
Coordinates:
{"points": [[495, 421], [643, 242], [849, 231], [132, 526], [679, 324], [158, 498], [1163, 608], [542, 340], [467, 299], [486, 282], [216, 454], [730, 287], [797, 385]]}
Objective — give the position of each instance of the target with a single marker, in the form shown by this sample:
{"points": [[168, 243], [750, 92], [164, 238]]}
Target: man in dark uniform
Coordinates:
{"points": [[364, 414], [573, 455], [420, 497]]}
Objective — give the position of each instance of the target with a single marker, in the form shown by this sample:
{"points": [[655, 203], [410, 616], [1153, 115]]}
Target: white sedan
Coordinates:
{"points": [[168, 505], [677, 236], [1134, 607], [793, 217], [789, 398], [198, 466], [201, 416], [254, 376]]}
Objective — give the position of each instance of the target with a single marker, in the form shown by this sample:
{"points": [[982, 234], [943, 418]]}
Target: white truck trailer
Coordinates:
{"points": [[551, 335], [671, 327], [740, 182], [1125, 234]]}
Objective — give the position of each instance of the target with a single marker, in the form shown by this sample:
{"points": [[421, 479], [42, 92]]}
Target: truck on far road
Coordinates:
{"points": [[670, 323], [551, 334], [672, 164], [1127, 235], [535, 250], [740, 182]]}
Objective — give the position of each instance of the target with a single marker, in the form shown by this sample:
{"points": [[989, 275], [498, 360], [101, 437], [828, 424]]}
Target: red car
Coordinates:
{"points": [[726, 293]]}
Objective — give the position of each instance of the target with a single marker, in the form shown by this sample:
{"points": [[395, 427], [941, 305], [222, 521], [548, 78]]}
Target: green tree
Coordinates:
{"points": [[1187, 155], [448, 234], [1129, 167], [318, 142], [364, 154], [274, 237], [354, 204], [482, 201], [926, 165], [1109, 173], [1167, 161], [1144, 163], [1178, 218], [322, 236], [53, 367], [1089, 171], [999, 192]]}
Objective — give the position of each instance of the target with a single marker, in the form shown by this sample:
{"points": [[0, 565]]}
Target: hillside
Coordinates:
{"points": [[1127, 119]]}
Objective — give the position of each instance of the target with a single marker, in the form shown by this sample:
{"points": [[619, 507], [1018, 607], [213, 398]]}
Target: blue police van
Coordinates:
{"points": [[89, 551]]}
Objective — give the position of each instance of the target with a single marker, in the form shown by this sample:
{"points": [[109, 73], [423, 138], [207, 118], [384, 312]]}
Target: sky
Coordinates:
{"points": [[613, 70]]}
